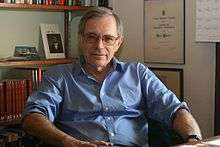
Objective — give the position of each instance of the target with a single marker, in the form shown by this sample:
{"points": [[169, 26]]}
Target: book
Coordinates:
{"points": [[2, 101], [15, 93], [52, 41]]}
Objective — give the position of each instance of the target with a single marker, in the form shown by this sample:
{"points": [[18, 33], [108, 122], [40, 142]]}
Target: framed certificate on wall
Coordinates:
{"points": [[164, 31]]}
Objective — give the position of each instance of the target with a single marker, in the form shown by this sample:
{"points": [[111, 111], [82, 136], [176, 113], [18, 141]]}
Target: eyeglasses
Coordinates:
{"points": [[107, 40]]}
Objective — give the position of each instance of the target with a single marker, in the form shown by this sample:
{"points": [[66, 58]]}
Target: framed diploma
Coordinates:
{"points": [[164, 31], [172, 78]]}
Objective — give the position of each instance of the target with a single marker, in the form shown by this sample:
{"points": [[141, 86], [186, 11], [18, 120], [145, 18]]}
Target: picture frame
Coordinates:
{"points": [[172, 78], [52, 41], [26, 52], [164, 32]]}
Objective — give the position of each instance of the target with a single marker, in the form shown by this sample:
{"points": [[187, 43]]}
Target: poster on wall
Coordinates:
{"points": [[207, 21], [164, 31]]}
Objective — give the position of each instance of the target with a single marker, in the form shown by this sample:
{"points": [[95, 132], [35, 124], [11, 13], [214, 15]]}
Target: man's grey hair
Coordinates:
{"points": [[95, 12]]}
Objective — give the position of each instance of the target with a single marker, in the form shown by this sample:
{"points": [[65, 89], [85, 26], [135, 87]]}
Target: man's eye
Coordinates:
{"points": [[108, 39], [91, 37]]}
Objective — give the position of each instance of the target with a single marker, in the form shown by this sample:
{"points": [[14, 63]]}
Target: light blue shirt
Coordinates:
{"points": [[116, 110]]}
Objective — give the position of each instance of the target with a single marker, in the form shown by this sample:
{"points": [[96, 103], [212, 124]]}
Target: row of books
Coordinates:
{"points": [[13, 95], [104, 3], [36, 74]]}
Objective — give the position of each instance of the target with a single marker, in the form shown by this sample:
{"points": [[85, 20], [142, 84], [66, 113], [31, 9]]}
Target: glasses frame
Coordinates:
{"points": [[97, 38]]}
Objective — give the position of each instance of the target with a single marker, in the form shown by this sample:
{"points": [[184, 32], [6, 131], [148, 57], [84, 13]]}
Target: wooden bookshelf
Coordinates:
{"points": [[11, 122], [35, 63], [38, 7]]}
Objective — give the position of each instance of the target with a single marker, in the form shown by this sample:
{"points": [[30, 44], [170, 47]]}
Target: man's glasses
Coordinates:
{"points": [[107, 40]]}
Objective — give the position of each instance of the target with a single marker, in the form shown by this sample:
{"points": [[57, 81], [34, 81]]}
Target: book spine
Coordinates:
{"points": [[18, 99], [8, 100], [61, 2], [23, 95], [2, 101], [29, 87], [13, 98]]}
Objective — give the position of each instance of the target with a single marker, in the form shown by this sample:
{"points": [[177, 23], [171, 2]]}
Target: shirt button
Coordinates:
{"points": [[106, 108], [108, 118], [112, 134], [102, 94]]}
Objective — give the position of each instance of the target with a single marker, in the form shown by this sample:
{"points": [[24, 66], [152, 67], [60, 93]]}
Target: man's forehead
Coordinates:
{"points": [[99, 25]]}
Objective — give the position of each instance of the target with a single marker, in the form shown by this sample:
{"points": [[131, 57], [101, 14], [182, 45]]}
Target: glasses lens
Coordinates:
{"points": [[90, 38], [106, 39]]}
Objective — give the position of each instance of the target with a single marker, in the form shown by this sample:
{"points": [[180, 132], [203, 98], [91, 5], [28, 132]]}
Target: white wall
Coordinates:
{"points": [[199, 69], [199, 77], [22, 28]]}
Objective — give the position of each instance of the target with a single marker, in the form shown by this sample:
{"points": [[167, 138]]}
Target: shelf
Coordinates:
{"points": [[35, 63], [11, 122], [37, 7]]}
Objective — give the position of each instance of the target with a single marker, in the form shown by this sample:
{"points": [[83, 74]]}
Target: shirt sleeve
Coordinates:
{"points": [[161, 102], [46, 100]]}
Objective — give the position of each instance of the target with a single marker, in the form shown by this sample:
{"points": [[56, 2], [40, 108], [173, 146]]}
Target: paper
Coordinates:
{"points": [[208, 20]]}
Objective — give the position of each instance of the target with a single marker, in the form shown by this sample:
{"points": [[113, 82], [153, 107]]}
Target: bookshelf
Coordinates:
{"points": [[35, 63], [28, 65], [10, 111], [37, 7]]}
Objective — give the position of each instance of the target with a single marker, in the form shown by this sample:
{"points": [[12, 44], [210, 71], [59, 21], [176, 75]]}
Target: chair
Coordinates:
{"points": [[161, 135]]}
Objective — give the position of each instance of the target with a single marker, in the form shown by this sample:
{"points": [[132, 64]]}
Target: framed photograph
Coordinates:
{"points": [[52, 41], [26, 52], [172, 78], [164, 31]]}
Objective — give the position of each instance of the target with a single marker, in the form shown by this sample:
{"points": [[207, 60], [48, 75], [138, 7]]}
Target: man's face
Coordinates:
{"points": [[100, 41]]}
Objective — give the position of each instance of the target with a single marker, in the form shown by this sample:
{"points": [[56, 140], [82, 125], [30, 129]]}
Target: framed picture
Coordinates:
{"points": [[52, 41], [172, 78], [164, 31], [26, 52]]}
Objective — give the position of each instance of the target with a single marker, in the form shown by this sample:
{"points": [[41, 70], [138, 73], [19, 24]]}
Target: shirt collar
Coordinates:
{"points": [[117, 65]]}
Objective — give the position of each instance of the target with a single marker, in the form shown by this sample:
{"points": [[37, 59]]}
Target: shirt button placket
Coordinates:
{"points": [[108, 120]]}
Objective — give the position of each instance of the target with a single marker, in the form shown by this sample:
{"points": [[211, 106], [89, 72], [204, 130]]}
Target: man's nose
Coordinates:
{"points": [[100, 43]]}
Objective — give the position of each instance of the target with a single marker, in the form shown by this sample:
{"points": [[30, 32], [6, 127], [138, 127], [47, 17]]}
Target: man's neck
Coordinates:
{"points": [[98, 72]]}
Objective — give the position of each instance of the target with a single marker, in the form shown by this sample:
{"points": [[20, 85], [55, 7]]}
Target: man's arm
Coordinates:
{"points": [[185, 124], [39, 126]]}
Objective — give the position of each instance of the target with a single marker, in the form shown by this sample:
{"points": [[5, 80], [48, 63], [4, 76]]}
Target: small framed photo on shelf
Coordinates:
{"points": [[164, 32], [26, 52], [172, 78], [52, 41]]}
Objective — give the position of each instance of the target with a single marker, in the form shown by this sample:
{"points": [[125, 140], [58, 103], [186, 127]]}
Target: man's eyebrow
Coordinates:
{"points": [[91, 33]]}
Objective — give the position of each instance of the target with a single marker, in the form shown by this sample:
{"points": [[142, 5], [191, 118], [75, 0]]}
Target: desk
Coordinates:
{"points": [[209, 142]]}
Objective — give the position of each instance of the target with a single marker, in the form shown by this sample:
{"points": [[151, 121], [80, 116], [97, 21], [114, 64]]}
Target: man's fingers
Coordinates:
{"points": [[102, 143]]}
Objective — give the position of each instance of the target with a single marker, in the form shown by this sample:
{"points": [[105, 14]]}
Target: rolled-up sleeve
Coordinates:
{"points": [[161, 102], [46, 100]]}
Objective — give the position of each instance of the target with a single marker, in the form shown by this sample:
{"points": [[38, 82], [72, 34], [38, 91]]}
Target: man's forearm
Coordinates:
{"points": [[39, 126], [185, 124]]}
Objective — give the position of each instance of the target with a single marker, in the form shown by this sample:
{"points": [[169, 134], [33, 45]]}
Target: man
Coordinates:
{"points": [[102, 101]]}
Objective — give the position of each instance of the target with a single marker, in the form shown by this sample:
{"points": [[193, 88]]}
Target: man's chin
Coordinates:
{"points": [[99, 66]]}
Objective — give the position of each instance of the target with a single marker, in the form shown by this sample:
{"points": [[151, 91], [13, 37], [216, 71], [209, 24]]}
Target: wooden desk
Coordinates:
{"points": [[209, 142]]}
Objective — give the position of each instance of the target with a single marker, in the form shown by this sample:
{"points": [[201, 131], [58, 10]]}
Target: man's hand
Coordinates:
{"points": [[70, 142]]}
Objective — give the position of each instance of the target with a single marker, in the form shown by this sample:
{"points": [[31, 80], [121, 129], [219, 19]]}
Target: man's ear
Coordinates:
{"points": [[80, 41], [120, 42]]}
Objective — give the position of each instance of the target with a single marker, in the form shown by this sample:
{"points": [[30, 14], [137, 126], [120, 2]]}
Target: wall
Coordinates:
{"points": [[22, 28], [199, 69]]}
